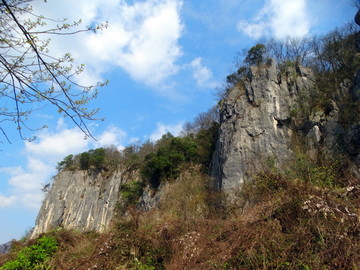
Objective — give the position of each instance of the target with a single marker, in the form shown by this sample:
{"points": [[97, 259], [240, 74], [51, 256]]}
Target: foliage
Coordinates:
{"points": [[166, 161], [186, 199], [142, 266], [324, 174], [30, 257], [84, 160], [97, 159], [131, 192], [206, 141], [66, 163], [92, 159], [159, 159], [296, 219], [31, 75], [255, 55]]}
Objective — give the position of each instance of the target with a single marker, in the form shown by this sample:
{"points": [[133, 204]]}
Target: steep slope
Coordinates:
{"points": [[255, 123], [81, 200], [264, 118]]}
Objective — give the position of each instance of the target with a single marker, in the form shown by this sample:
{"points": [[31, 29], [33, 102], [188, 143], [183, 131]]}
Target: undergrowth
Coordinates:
{"points": [[290, 223], [34, 256]]}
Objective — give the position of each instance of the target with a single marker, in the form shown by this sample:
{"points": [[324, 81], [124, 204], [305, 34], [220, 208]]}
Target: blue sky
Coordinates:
{"points": [[164, 60]]}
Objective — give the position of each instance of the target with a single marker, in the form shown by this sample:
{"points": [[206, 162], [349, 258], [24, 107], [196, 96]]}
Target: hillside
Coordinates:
{"points": [[271, 181]]}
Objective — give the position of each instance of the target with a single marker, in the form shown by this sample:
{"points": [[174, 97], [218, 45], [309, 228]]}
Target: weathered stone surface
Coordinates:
{"points": [[255, 123], [81, 200], [5, 248]]}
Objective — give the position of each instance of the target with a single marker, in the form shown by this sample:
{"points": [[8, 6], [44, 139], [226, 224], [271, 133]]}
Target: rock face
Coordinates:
{"points": [[258, 123], [81, 200], [5, 248], [255, 123], [259, 120]]}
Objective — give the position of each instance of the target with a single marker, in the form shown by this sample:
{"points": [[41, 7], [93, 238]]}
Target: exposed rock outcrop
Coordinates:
{"points": [[257, 122], [81, 200], [260, 118], [5, 248]]}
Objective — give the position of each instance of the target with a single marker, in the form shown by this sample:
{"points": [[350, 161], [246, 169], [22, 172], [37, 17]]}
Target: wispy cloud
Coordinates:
{"points": [[112, 136], [202, 74], [42, 156], [163, 129], [142, 37], [279, 18], [7, 201]]}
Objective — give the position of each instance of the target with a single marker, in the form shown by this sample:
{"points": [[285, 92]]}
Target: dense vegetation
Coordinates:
{"points": [[332, 57], [33, 256], [302, 216], [157, 161], [297, 219]]}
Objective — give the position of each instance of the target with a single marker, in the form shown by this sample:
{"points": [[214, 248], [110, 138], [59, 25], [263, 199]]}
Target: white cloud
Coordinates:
{"points": [[163, 129], [42, 156], [202, 74], [112, 136], [55, 146], [279, 18], [7, 201], [142, 37]]}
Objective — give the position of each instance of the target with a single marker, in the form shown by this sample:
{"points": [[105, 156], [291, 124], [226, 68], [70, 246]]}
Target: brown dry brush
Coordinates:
{"points": [[289, 224]]}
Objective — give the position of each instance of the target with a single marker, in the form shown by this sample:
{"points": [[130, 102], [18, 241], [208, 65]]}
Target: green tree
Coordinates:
{"points": [[255, 56], [166, 161], [97, 158], [84, 161], [29, 74], [66, 163]]}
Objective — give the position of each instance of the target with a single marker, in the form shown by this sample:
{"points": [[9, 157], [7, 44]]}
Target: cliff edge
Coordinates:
{"points": [[81, 200], [264, 116]]}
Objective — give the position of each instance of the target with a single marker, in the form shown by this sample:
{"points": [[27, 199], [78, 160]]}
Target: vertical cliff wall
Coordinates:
{"points": [[81, 200], [255, 123], [261, 118]]}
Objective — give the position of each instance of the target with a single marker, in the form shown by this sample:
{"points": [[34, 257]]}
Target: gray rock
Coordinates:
{"points": [[5, 248], [255, 124], [81, 200]]}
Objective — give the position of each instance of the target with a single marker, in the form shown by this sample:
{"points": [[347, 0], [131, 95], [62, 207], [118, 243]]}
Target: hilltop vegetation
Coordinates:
{"points": [[304, 215]]}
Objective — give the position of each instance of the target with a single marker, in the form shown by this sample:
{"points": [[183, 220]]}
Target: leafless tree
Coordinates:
{"points": [[31, 77]]}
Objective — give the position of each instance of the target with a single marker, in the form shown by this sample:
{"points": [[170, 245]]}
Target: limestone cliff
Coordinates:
{"points": [[257, 122], [260, 118], [81, 200]]}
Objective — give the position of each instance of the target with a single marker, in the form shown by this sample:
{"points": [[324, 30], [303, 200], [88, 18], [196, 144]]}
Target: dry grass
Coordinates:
{"points": [[289, 224]]}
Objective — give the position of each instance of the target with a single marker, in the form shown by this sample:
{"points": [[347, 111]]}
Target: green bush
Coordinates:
{"points": [[255, 56], [66, 163], [30, 257], [131, 192], [84, 161], [97, 158], [166, 161], [311, 172]]}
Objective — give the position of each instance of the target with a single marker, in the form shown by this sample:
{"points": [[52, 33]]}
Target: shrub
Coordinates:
{"points": [[255, 56], [84, 161], [97, 158], [166, 161], [29, 257], [66, 163], [186, 198], [131, 192]]}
